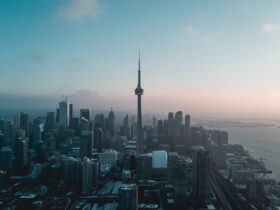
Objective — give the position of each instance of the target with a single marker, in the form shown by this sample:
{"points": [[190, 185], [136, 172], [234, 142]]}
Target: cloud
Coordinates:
{"points": [[35, 57], [78, 9], [270, 28]]}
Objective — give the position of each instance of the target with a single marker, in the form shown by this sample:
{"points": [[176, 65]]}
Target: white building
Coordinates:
{"points": [[159, 159]]}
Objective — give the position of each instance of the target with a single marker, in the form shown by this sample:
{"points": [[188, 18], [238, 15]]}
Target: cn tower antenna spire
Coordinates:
{"points": [[139, 69], [139, 62]]}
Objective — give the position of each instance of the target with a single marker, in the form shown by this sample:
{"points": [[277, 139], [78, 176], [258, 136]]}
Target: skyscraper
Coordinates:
{"points": [[125, 127], [21, 155], [99, 121], [86, 144], [171, 138], [6, 159], [98, 139], [178, 121], [201, 185], [57, 116], [144, 166], [182, 168], [87, 175], [128, 197], [24, 122], [50, 120], [85, 113], [71, 170], [178, 118], [39, 151], [139, 92], [111, 123], [187, 132], [64, 114], [84, 124], [95, 173], [70, 113]]}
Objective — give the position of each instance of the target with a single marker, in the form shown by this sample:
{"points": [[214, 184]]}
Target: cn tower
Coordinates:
{"points": [[139, 92]]}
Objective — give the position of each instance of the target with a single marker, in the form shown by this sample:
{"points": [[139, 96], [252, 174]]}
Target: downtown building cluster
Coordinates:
{"points": [[74, 159]]}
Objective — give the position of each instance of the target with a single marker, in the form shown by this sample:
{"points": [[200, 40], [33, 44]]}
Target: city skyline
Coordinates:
{"points": [[78, 132], [212, 59]]}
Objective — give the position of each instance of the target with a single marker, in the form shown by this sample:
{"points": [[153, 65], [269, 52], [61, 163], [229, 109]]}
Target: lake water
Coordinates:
{"points": [[260, 137], [261, 142]]}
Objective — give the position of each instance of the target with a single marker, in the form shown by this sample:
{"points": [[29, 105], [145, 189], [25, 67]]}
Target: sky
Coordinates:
{"points": [[217, 58]]}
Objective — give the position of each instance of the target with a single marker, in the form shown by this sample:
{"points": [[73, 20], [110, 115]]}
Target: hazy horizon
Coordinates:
{"points": [[151, 106]]}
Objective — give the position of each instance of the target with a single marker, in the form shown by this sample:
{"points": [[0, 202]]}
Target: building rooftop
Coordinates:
{"points": [[159, 159], [128, 186]]}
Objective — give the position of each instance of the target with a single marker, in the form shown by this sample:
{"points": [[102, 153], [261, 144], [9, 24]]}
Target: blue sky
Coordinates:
{"points": [[207, 57]]}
